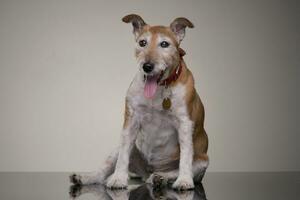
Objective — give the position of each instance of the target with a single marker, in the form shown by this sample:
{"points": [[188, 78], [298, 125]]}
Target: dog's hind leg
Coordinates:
{"points": [[99, 176], [198, 169]]}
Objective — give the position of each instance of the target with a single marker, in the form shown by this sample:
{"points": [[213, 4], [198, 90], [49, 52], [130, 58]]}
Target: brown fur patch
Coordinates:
{"points": [[202, 157], [164, 31], [195, 111], [154, 30]]}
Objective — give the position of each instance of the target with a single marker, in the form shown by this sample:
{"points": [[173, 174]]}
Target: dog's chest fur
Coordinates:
{"points": [[157, 138]]}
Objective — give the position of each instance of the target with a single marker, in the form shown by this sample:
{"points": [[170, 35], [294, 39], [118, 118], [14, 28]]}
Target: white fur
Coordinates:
{"points": [[159, 128]]}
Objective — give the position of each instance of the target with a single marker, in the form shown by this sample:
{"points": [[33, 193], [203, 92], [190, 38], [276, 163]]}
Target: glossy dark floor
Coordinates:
{"points": [[216, 186]]}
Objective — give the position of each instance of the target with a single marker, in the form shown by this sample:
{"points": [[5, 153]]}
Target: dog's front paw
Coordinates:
{"points": [[183, 183], [117, 181]]}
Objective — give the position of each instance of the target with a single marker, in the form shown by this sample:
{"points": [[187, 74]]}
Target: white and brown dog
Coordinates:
{"points": [[163, 134]]}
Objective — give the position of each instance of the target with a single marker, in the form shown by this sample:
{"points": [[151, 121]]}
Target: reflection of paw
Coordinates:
{"points": [[75, 179], [118, 194], [180, 195], [117, 181], [156, 180], [183, 183], [75, 191]]}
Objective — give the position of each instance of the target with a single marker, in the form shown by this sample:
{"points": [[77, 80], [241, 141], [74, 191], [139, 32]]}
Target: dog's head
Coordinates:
{"points": [[157, 48]]}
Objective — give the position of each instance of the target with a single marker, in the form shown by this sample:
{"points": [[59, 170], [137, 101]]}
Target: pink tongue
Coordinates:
{"points": [[150, 87]]}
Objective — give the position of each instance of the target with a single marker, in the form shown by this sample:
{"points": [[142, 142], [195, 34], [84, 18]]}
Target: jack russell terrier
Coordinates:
{"points": [[163, 139]]}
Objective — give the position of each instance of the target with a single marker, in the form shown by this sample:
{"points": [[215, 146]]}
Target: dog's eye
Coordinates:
{"points": [[164, 44], [142, 43]]}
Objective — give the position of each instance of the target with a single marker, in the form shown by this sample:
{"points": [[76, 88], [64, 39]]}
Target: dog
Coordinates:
{"points": [[163, 138]]}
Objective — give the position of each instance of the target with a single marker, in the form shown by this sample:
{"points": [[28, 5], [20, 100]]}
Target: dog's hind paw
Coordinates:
{"points": [[75, 179], [157, 181]]}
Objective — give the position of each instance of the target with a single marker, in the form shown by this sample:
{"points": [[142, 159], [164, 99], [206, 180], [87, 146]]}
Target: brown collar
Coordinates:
{"points": [[176, 73]]}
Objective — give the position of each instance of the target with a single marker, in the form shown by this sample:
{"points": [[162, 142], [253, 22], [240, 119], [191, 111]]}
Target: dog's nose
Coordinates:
{"points": [[148, 67]]}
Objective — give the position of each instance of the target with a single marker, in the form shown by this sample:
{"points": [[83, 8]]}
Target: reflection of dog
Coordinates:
{"points": [[163, 134], [137, 193]]}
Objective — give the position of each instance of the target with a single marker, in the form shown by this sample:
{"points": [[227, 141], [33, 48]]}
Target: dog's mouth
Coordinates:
{"points": [[151, 83]]}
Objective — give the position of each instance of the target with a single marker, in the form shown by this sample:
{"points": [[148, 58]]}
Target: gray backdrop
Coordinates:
{"points": [[65, 67]]}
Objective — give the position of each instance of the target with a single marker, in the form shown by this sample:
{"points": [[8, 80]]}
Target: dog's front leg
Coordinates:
{"points": [[119, 179], [184, 180]]}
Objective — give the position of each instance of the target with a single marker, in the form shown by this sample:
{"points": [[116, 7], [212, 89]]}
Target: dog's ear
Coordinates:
{"points": [[178, 27], [137, 22]]}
